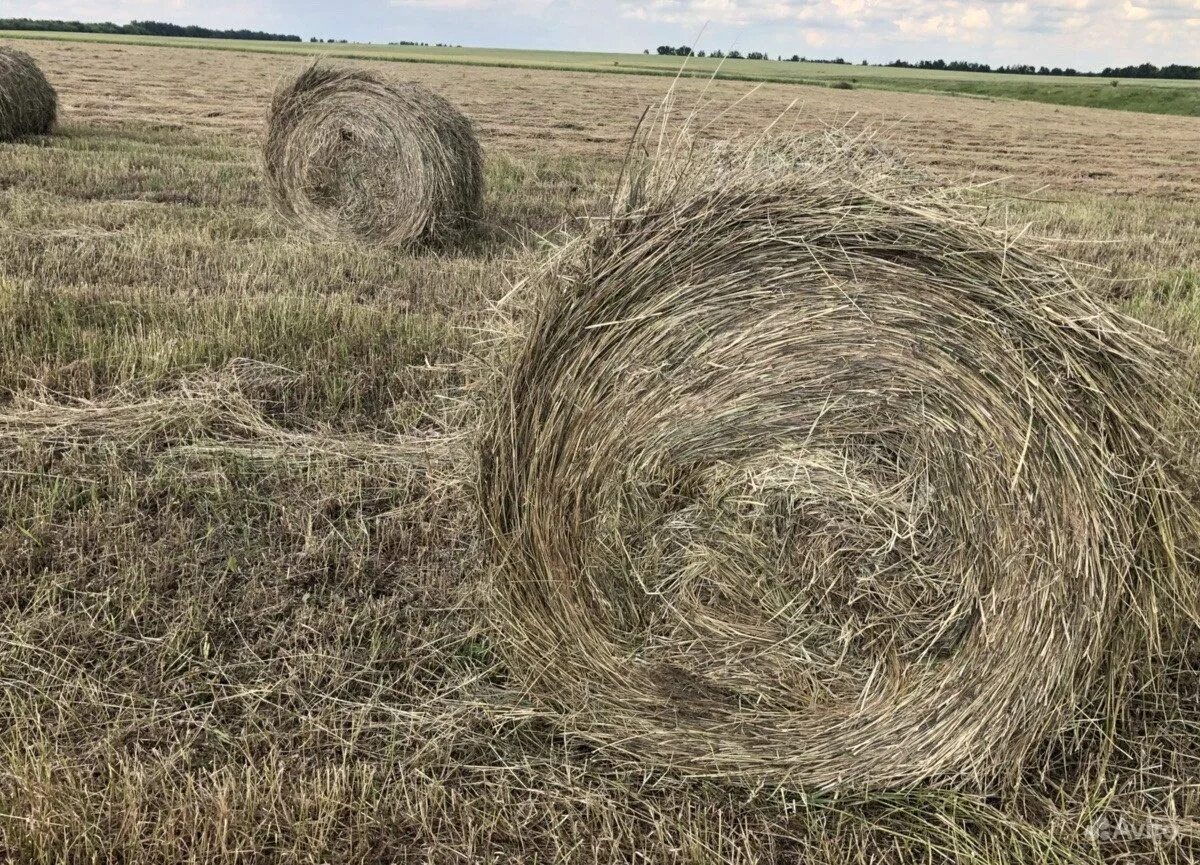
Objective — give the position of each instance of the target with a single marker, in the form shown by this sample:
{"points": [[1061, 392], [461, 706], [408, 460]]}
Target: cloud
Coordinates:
{"points": [[519, 6], [738, 13], [1080, 33], [976, 18], [921, 16], [83, 10], [951, 21], [1086, 34]]}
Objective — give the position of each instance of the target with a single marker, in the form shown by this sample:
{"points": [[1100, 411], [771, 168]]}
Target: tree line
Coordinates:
{"points": [[1145, 70], [686, 51], [140, 28]]}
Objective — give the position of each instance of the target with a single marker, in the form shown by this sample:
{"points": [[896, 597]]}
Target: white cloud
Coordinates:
{"points": [[520, 6], [737, 13], [976, 18], [1082, 33], [83, 10], [1016, 14], [1027, 30]]}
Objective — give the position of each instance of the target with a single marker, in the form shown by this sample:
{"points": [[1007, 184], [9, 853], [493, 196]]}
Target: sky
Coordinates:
{"points": [[1086, 34]]}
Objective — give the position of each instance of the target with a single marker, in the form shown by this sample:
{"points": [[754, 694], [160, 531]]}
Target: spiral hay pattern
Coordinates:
{"points": [[352, 156], [28, 104], [804, 476]]}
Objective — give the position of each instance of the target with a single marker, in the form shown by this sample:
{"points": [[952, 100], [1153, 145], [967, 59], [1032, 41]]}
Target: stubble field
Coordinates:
{"points": [[237, 625], [1157, 96]]}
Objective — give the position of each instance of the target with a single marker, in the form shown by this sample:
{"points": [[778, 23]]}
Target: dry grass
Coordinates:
{"points": [[28, 104], [1054, 150], [350, 155], [236, 564]]}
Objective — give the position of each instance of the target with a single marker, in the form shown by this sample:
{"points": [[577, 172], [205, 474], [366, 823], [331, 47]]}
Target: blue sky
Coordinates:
{"points": [[1086, 34]]}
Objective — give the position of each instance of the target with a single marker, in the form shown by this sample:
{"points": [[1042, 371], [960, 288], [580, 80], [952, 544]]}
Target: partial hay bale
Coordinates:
{"points": [[803, 475], [28, 104], [352, 156]]}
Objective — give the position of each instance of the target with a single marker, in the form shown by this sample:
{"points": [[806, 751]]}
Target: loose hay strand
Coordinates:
{"points": [[804, 475], [28, 104], [350, 155]]}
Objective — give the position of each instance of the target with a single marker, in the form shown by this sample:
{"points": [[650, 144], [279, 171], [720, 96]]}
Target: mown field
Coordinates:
{"points": [[237, 625], [1150, 95]]}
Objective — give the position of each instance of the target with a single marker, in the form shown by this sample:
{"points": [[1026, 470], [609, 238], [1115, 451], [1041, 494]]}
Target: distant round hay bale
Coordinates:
{"points": [[28, 104], [803, 475], [352, 156]]}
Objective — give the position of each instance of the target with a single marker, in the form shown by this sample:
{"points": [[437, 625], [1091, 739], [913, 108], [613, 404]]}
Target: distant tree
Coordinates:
{"points": [[865, 63], [719, 54], [755, 55], [1173, 70], [140, 28], [734, 55], [313, 39], [684, 51], [645, 50], [795, 58], [666, 50], [701, 54]]}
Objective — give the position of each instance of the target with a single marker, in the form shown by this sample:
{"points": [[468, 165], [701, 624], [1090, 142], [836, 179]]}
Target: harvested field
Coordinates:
{"points": [[523, 111], [241, 612], [1149, 95]]}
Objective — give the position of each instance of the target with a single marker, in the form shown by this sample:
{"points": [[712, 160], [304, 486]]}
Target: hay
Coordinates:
{"points": [[805, 476], [28, 104], [352, 156]]}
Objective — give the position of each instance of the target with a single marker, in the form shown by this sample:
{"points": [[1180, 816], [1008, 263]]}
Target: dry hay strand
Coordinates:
{"points": [[28, 104], [350, 155], [805, 475], [210, 413]]}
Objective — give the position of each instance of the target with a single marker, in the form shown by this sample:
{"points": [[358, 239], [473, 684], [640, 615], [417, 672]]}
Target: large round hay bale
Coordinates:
{"points": [[803, 475], [353, 156], [28, 104]]}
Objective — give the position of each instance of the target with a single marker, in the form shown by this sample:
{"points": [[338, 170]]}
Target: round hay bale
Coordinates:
{"points": [[352, 156], [28, 104], [804, 476]]}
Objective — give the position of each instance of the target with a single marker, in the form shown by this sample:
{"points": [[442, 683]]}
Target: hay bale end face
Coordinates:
{"points": [[28, 104], [352, 156], [805, 477]]}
